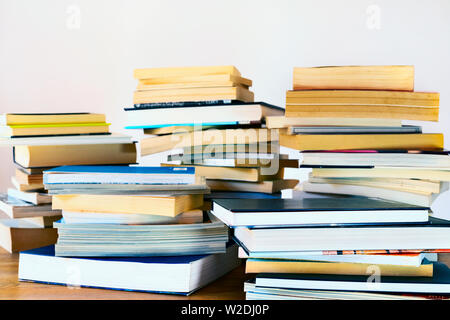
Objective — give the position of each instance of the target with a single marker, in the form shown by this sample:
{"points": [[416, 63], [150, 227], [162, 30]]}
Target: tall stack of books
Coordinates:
{"points": [[206, 118], [144, 225], [40, 142], [365, 231], [386, 159]]}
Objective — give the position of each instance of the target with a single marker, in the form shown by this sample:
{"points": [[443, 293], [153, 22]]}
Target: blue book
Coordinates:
{"points": [[119, 175], [174, 275]]}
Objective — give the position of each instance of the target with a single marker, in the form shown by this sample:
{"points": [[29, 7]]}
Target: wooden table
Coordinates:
{"points": [[229, 287]]}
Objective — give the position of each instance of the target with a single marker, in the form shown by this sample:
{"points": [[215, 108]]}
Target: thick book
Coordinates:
{"points": [[123, 175], [439, 283], [362, 141], [177, 275], [19, 235], [16, 208], [24, 177], [193, 94], [432, 235], [398, 78], [375, 158], [134, 203], [8, 119], [82, 154], [140, 118], [101, 240], [325, 211], [352, 129], [255, 265], [163, 72], [213, 140], [193, 81]]}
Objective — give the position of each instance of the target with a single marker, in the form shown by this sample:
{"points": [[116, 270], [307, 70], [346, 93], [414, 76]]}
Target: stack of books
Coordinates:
{"points": [[142, 224], [40, 142], [361, 147], [364, 231], [205, 117]]}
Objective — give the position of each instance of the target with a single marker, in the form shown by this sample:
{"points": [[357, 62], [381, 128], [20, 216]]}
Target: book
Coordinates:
{"points": [[412, 197], [16, 208], [25, 187], [374, 158], [253, 265], [210, 115], [250, 174], [397, 258], [398, 78], [123, 175], [107, 240], [31, 197], [352, 129], [19, 235], [163, 72], [170, 206], [234, 160], [193, 94], [431, 235], [221, 150], [177, 275], [407, 185], [276, 122], [191, 216], [24, 178], [42, 221], [211, 141], [254, 292], [435, 174], [322, 212], [271, 186], [362, 141], [88, 154], [193, 81], [28, 130], [8, 119], [113, 138], [438, 284]]}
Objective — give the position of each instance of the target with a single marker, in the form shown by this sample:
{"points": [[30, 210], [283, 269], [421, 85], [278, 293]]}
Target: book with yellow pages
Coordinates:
{"points": [[28, 130], [9, 119]]}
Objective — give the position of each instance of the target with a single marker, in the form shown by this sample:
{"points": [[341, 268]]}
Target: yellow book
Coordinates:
{"points": [[53, 129], [87, 154], [50, 118], [399, 78], [342, 268], [271, 186], [147, 73], [203, 81], [193, 94], [362, 141], [157, 205], [274, 122]]}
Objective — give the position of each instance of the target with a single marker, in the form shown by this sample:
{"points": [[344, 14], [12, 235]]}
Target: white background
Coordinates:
{"points": [[69, 56]]}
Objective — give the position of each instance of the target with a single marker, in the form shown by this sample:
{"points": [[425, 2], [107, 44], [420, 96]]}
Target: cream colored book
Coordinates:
{"points": [[274, 122], [204, 81], [147, 73], [400, 77]]}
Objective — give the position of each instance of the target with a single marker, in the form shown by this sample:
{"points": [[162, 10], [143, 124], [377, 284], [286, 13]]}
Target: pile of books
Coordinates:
{"points": [[40, 142], [144, 225], [365, 230], [385, 159], [205, 118]]}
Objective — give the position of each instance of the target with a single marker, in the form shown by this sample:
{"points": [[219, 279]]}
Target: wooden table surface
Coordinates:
{"points": [[228, 287]]}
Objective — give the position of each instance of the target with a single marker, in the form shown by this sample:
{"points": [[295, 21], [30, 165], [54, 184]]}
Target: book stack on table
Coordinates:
{"points": [[40, 142], [363, 230], [206, 118], [131, 228]]}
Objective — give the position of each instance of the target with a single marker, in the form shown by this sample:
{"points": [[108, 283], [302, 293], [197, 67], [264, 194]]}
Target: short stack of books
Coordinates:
{"points": [[331, 247], [40, 142], [386, 159], [207, 119], [144, 225]]}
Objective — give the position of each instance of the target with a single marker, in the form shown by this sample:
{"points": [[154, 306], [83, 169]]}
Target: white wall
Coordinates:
{"points": [[79, 55]]}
